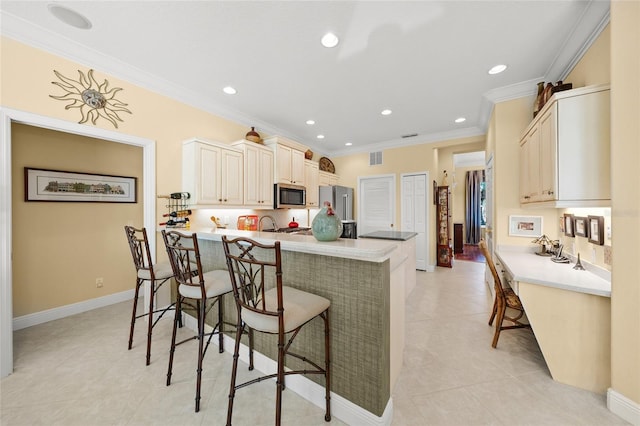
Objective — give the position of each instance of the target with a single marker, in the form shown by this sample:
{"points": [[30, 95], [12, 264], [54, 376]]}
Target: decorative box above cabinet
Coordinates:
{"points": [[289, 160], [258, 174], [565, 151], [212, 173]]}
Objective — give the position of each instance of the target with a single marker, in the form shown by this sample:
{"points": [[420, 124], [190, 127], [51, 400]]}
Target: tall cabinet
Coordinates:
{"points": [[443, 249]]}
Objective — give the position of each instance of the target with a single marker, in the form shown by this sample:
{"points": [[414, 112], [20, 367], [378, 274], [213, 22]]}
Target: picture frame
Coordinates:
{"points": [[568, 225], [435, 193], [581, 227], [525, 226], [596, 230], [67, 186]]}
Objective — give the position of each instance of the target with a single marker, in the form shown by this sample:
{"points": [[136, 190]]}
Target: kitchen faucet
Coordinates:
{"points": [[273, 222]]}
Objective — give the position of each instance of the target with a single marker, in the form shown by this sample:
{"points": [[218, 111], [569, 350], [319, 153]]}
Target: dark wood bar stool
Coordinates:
{"points": [[156, 275], [197, 290], [505, 298], [277, 310]]}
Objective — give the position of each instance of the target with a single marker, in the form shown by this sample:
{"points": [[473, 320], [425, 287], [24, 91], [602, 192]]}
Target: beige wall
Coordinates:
{"points": [[432, 157], [26, 76], [59, 249], [625, 211], [594, 67]]}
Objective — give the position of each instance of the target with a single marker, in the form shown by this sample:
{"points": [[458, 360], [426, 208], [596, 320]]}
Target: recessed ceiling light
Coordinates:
{"points": [[320, 136], [229, 90], [329, 40], [460, 120], [348, 144], [386, 112], [497, 69], [311, 122], [69, 17]]}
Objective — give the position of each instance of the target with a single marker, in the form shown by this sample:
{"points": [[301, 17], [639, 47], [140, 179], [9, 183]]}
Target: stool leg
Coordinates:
{"points": [[327, 365], [234, 369], [201, 312], [150, 321], [280, 377], [172, 348], [250, 349], [220, 318], [133, 313]]}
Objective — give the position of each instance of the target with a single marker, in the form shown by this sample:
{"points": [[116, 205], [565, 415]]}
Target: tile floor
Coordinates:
{"points": [[77, 371]]}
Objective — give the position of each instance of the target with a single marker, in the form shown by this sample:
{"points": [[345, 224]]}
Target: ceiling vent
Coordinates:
{"points": [[412, 135], [375, 158]]}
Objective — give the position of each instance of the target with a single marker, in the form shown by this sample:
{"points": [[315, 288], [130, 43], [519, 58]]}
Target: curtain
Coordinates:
{"points": [[473, 202]]}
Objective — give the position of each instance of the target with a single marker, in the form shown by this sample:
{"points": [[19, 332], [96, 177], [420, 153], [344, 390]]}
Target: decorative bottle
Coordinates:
{"points": [[326, 226]]}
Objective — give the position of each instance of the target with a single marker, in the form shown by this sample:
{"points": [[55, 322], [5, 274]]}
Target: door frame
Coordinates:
{"points": [[429, 197], [8, 116]]}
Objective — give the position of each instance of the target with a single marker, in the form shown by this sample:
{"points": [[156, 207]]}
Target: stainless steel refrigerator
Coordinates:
{"points": [[341, 199]]}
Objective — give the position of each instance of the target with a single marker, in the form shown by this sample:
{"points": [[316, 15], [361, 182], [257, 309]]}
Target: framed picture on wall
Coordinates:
{"points": [[58, 185], [596, 230], [581, 227], [568, 225], [525, 226]]}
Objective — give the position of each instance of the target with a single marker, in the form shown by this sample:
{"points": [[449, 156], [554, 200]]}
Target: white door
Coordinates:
{"points": [[376, 203], [413, 211]]}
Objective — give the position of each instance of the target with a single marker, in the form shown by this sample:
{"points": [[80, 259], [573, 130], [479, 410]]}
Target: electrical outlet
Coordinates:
{"points": [[99, 282]]}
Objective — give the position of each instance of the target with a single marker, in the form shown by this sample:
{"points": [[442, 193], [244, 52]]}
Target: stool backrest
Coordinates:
{"points": [[184, 256], [496, 277], [253, 268], [140, 251]]}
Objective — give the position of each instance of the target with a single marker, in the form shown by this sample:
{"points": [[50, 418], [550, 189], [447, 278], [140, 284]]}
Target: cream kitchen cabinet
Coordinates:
{"points": [[258, 174], [565, 151], [289, 160], [212, 173], [311, 183], [327, 178]]}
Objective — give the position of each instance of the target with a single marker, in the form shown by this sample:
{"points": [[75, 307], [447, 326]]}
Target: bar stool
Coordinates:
{"points": [[156, 275], [280, 310], [197, 290]]}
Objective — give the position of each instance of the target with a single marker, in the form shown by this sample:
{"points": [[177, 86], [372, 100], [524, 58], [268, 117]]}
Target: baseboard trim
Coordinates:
{"points": [[75, 308], [341, 408], [623, 407]]}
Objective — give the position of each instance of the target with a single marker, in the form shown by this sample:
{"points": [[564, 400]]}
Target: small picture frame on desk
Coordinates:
{"points": [[596, 230], [568, 225], [581, 227]]}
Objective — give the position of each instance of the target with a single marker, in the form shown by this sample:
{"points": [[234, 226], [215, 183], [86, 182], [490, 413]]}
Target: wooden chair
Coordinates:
{"points": [[156, 275], [505, 298], [197, 290], [279, 310]]}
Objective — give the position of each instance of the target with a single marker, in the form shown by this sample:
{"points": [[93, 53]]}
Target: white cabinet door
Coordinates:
{"points": [[327, 179], [311, 183], [283, 163], [252, 173], [265, 179], [232, 178], [548, 155], [297, 167]]}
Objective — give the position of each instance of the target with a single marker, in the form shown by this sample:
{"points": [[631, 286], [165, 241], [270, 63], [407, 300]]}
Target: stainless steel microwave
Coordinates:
{"points": [[287, 196]]}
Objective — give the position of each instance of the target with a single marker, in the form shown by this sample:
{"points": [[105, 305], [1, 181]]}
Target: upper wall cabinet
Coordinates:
{"points": [[565, 151], [258, 174], [212, 173], [311, 170], [289, 160], [327, 178]]}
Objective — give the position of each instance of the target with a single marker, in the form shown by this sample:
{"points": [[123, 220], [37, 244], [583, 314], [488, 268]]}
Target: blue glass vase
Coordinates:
{"points": [[326, 226]]}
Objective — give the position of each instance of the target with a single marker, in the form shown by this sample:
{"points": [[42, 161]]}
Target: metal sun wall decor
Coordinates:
{"points": [[94, 100]]}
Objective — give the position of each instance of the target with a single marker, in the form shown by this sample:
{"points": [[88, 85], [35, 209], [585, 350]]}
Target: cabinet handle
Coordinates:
{"points": [[526, 197], [219, 200]]}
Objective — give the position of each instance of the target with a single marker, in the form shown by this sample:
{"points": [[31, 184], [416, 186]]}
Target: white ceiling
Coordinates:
{"points": [[427, 61]]}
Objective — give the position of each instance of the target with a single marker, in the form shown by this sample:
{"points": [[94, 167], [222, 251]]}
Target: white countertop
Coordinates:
{"points": [[359, 249], [527, 267]]}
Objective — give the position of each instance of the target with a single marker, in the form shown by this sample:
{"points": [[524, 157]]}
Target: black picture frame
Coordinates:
{"points": [[581, 227], [596, 230], [568, 225], [79, 187]]}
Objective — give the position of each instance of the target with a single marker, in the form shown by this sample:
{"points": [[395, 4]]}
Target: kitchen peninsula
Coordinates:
{"points": [[365, 281]]}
